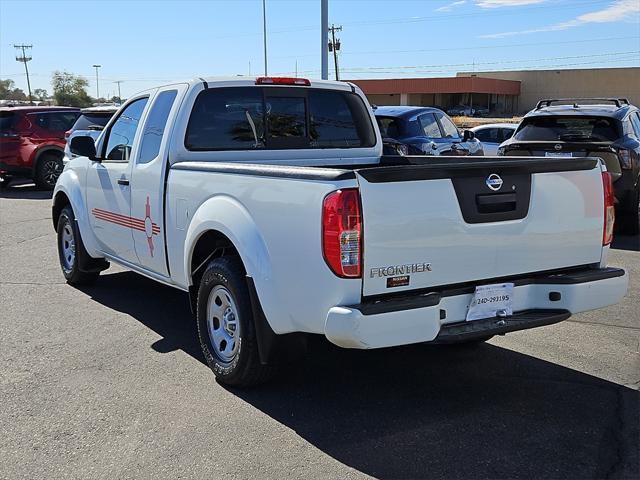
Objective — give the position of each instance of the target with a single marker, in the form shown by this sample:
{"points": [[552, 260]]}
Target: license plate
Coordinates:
{"points": [[490, 301], [558, 154]]}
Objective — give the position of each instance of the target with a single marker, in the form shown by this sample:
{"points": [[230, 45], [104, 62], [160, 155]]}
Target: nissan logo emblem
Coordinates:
{"points": [[494, 182], [558, 146]]}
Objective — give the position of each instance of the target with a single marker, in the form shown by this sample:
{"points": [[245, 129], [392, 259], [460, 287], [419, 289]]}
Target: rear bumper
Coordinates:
{"points": [[440, 315]]}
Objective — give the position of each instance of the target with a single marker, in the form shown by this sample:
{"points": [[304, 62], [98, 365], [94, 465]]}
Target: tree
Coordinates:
{"points": [[8, 92], [40, 94], [70, 89], [6, 86]]}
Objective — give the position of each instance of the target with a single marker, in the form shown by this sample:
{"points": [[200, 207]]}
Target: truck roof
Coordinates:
{"points": [[245, 80]]}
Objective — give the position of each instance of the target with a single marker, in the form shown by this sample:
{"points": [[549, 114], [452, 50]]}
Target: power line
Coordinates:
{"points": [[440, 65]]}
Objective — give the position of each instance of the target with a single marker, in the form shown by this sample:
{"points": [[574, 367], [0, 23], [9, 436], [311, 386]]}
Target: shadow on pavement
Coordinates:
{"points": [[424, 411], [626, 242], [23, 190]]}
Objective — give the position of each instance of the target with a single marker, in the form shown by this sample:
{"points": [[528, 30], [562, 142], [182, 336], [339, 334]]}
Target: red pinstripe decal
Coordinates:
{"points": [[133, 223]]}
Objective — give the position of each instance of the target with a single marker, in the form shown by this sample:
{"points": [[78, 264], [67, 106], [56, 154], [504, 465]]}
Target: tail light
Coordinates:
{"points": [[283, 81], [342, 232], [609, 209], [625, 159]]}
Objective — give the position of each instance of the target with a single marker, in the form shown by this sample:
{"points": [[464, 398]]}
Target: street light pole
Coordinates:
{"points": [[119, 95], [97, 83], [264, 33], [324, 38]]}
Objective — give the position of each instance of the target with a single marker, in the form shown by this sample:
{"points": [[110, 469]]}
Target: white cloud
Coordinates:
{"points": [[506, 3], [619, 10], [451, 6]]}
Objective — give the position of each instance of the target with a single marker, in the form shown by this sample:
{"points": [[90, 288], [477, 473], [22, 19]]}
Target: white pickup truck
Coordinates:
{"points": [[269, 201]]}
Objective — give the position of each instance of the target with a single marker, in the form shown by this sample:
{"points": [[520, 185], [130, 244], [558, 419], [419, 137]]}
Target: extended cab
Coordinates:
{"points": [[269, 201]]}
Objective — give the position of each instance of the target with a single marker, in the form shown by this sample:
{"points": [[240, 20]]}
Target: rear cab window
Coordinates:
{"points": [[274, 118], [568, 128], [92, 121]]}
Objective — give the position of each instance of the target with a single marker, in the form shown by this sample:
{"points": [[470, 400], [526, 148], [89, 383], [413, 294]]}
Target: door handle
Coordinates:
{"points": [[123, 181]]}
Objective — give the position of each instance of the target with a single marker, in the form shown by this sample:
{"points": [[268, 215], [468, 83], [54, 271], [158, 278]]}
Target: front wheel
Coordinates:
{"points": [[225, 325], [70, 248]]}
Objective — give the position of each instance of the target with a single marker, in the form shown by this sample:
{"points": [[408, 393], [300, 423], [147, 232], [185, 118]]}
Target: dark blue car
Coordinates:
{"points": [[426, 131]]}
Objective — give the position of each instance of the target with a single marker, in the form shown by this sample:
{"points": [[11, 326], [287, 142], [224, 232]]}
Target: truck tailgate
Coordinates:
{"points": [[461, 220]]}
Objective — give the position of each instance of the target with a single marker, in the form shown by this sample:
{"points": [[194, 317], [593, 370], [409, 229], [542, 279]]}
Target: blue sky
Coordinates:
{"points": [[146, 43]]}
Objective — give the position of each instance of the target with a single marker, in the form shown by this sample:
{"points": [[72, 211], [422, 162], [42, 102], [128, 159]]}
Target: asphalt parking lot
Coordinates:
{"points": [[108, 382]]}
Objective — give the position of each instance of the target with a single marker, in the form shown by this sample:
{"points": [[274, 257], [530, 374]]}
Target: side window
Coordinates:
{"points": [[507, 133], [449, 129], [489, 135], [635, 121], [123, 131], [429, 125], [154, 126], [56, 121]]}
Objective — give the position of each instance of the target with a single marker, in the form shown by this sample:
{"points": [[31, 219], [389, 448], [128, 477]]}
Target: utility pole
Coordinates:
{"points": [[24, 57], [264, 33], [334, 46], [119, 96], [97, 84], [324, 38]]}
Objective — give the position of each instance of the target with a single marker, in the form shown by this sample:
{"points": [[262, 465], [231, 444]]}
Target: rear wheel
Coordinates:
{"points": [[71, 249], [226, 327], [4, 181], [48, 170], [632, 226]]}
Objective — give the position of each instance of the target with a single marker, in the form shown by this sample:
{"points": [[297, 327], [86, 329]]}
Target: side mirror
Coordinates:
{"points": [[83, 146], [468, 135]]}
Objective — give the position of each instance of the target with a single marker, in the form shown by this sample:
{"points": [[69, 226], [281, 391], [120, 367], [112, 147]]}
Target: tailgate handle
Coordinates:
{"points": [[496, 203]]}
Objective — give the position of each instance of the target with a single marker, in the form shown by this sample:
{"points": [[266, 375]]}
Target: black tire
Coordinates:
{"points": [[48, 170], [68, 227], [4, 181], [631, 220], [244, 369]]}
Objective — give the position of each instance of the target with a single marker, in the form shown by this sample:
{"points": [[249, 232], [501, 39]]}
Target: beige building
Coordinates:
{"points": [[593, 82]]}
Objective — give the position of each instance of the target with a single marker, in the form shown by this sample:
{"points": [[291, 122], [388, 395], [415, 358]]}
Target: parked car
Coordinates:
{"points": [[268, 200], [90, 123], [493, 134], [32, 142], [481, 112], [608, 128], [426, 131], [461, 111]]}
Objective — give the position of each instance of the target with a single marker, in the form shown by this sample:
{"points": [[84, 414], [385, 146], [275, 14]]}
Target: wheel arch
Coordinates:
{"points": [[42, 151], [68, 191]]}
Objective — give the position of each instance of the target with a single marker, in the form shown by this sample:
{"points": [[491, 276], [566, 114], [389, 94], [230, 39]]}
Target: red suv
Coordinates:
{"points": [[32, 142]]}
